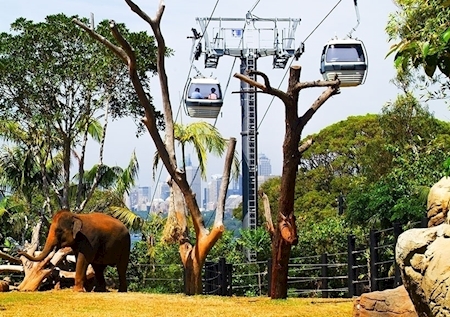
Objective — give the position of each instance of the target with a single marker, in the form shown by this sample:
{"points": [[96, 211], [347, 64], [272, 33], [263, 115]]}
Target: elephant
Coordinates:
{"points": [[97, 239]]}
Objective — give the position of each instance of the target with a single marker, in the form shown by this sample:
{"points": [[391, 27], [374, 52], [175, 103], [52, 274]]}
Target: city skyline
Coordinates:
{"points": [[206, 190]]}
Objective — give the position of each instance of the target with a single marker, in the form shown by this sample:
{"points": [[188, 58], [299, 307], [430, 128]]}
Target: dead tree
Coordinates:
{"points": [[284, 235], [192, 256]]}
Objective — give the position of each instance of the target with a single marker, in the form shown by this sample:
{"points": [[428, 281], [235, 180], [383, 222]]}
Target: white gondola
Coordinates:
{"points": [[203, 98], [346, 58]]}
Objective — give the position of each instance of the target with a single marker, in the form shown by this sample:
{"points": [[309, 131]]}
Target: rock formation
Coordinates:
{"points": [[438, 202], [388, 303], [423, 256]]}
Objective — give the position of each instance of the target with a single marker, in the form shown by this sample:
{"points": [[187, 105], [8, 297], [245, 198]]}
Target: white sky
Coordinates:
{"points": [[179, 18]]}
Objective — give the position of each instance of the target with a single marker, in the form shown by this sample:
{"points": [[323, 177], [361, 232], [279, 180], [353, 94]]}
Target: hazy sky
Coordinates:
{"points": [[179, 18]]}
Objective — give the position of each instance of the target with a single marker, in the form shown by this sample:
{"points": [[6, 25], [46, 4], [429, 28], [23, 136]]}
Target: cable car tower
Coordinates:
{"points": [[259, 37]]}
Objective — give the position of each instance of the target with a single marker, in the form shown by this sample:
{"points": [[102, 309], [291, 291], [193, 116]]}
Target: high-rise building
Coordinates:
{"points": [[205, 197], [193, 178], [235, 187], [144, 194], [134, 198], [139, 198], [213, 191], [264, 167], [162, 191]]}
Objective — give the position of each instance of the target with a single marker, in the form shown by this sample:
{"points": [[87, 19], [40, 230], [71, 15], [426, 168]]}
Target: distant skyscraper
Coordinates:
{"points": [[134, 199], [162, 190], [144, 194], [194, 180], [139, 198], [205, 197], [213, 191], [235, 187], [264, 167]]}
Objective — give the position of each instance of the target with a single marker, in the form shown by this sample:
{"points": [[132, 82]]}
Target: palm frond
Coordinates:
{"points": [[204, 137], [129, 218], [155, 163], [95, 130], [127, 179]]}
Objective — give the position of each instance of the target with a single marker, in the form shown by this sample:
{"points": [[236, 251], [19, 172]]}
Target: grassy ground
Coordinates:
{"points": [[67, 303]]}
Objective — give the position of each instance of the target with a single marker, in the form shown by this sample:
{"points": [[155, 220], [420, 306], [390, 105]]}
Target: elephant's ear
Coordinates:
{"points": [[77, 225]]}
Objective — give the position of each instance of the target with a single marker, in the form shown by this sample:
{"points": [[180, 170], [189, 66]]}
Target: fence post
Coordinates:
{"points": [[397, 278], [229, 270], [324, 274], [222, 283], [208, 275], [351, 260], [373, 241], [269, 275]]}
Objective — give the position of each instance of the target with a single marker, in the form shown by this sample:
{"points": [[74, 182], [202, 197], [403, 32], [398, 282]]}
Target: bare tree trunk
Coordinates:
{"points": [[36, 272], [192, 257], [284, 235], [192, 271]]}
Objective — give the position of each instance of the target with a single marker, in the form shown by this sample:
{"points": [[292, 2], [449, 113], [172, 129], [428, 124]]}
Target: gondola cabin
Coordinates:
{"points": [[345, 58], [204, 98]]}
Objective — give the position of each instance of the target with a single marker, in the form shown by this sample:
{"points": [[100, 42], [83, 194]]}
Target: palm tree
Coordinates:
{"points": [[205, 138]]}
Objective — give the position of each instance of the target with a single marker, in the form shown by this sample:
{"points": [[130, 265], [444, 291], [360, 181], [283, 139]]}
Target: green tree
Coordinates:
{"points": [[417, 144], [382, 165], [423, 31], [57, 91], [56, 84]]}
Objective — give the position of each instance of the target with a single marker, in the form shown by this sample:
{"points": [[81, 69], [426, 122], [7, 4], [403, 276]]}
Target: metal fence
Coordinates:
{"points": [[363, 268]]}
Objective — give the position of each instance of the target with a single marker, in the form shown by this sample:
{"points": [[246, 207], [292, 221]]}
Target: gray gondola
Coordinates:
{"points": [[346, 58], [207, 101]]}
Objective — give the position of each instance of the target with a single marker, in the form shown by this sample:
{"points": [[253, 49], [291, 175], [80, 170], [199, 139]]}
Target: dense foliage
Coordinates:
{"points": [[381, 165], [421, 33], [56, 87]]}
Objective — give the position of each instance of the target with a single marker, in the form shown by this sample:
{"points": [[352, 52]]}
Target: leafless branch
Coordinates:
{"points": [[11, 268], [114, 48], [267, 213], [264, 76], [266, 89], [127, 55], [9, 258], [153, 22], [316, 83], [225, 182], [330, 91], [305, 146]]}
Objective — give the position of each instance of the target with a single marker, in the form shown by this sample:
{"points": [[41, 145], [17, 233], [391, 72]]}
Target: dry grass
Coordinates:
{"points": [[67, 303]]}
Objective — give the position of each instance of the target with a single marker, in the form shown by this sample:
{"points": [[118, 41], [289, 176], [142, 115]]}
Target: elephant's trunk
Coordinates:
{"points": [[49, 246]]}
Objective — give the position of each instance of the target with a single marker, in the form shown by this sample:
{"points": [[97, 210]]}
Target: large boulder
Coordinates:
{"points": [[438, 202], [388, 303], [423, 256]]}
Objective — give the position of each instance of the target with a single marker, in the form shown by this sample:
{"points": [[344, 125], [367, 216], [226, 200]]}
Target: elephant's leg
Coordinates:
{"points": [[99, 276], [80, 273], [122, 272]]}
